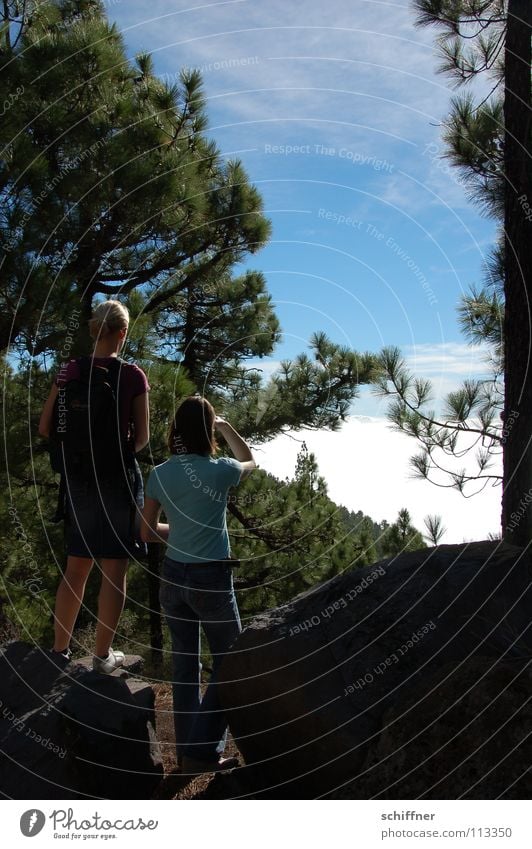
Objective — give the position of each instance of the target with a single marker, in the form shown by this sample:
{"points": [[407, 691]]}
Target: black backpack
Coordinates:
{"points": [[85, 437]]}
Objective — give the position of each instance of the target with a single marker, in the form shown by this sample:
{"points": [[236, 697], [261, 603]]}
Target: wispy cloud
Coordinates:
{"points": [[365, 65], [431, 360], [359, 75]]}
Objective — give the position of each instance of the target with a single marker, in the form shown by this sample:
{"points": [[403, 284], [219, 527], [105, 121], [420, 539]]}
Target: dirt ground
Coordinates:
{"points": [[173, 785]]}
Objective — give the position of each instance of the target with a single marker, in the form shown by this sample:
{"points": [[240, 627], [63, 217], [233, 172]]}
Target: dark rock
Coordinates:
{"points": [[241, 783], [306, 687], [143, 696], [70, 733], [466, 736]]}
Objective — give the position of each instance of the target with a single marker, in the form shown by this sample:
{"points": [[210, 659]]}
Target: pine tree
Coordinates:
{"points": [[307, 474], [401, 536], [313, 391], [107, 182], [435, 529], [289, 535], [517, 455], [490, 142]]}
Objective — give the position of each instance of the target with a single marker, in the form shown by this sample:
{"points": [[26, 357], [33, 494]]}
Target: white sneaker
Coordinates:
{"points": [[108, 664]]}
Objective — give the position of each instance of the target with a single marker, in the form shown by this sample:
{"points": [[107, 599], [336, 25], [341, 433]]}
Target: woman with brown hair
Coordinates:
{"points": [[196, 583], [100, 502]]}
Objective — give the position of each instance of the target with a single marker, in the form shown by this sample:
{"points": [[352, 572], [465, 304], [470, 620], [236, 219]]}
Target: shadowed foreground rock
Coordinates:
{"points": [[69, 733], [467, 736], [322, 692]]}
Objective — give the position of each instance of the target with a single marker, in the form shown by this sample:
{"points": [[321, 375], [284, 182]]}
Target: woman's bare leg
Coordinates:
{"points": [[68, 599], [110, 603]]}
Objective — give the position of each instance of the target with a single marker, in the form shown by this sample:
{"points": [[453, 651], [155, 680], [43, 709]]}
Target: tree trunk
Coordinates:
{"points": [[9, 328], [83, 344], [189, 361], [156, 631], [517, 472]]}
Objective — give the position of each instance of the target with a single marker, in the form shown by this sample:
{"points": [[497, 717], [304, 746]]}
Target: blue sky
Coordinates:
{"points": [[335, 110]]}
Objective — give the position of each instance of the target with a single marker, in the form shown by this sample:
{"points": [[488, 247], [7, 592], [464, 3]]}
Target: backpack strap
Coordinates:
{"points": [[132, 472], [114, 368], [84, 367]]}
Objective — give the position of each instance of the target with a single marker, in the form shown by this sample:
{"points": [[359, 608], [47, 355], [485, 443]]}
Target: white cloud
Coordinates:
{"points": [[266, 365], [366, 468], [444, 359]]}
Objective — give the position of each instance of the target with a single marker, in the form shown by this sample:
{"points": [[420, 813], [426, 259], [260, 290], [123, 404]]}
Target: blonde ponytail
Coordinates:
{"points": [[108, 317]]}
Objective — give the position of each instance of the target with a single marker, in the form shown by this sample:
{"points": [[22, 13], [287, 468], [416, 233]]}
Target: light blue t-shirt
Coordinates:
{"points": [[192, 490]]}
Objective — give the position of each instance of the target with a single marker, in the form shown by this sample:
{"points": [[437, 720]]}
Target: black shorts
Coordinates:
{"points": [[103, 516]]}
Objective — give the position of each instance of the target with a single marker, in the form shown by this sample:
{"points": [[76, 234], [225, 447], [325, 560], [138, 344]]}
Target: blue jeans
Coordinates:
{"points": [[194, 594]]}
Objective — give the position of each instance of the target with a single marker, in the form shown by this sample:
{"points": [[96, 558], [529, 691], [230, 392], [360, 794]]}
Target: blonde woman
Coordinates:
{"points": [[101, 502]]}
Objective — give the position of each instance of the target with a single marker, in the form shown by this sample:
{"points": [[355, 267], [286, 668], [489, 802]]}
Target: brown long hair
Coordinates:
{"points": [[192, 430]]}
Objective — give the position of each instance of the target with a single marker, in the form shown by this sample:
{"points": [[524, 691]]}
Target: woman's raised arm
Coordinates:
{"points": [[240, 448]]}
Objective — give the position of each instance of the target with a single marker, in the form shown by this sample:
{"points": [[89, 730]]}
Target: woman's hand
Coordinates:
{"points": [[151, 530], [220, 423]]}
